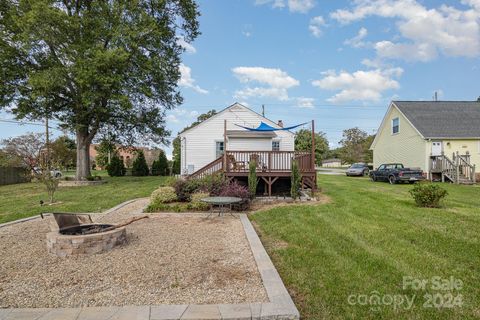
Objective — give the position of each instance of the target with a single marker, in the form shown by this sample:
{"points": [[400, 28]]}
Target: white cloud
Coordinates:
{"points": [[185, 45], [301, 6], [303, 102], [406, 51], [359, 85], [185, 113], [275, 82], [357, 41], [426, 32], [316, 25], [172, 118], [187, 81]]}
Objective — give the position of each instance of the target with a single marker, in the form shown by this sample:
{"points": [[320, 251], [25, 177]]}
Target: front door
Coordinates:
{"points": [[437, 148]]}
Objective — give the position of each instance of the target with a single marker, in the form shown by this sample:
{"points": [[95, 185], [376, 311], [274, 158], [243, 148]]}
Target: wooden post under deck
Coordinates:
{"points": [[313, 145]]}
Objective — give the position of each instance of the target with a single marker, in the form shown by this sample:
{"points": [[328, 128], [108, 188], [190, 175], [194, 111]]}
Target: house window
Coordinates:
{"points": [[395, 126], [218, 148], [275, 145]]}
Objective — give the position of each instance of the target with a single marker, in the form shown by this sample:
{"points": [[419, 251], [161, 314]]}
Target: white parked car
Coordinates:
{"points": [[53, 172]]}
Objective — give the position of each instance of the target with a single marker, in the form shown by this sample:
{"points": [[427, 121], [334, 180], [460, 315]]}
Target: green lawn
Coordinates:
{"points": [[365, 240], [23, 200]]}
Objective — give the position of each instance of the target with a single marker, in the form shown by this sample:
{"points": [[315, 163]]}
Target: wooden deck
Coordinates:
{"points": [[271, 165]]}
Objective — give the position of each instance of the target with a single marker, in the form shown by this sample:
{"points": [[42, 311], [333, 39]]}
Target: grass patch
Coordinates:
{"points": [[365, 240], [23, 200]]}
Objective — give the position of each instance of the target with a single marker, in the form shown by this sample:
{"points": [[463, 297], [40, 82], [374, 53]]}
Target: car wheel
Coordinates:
{"points": [[392, 180], [411, 182], [373, 178], [365, 172]]}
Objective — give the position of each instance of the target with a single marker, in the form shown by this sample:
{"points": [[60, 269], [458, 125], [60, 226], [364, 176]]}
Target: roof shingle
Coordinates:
{"points": [[443, 119]]}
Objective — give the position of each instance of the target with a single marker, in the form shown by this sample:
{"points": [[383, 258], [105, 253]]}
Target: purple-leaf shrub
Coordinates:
{"points": [[234, 189]]}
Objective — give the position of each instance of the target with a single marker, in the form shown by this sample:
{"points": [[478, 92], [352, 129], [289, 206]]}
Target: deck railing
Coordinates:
{"points": [[268, 161]]}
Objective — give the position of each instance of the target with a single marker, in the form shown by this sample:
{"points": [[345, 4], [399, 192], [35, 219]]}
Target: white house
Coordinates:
{"points": [[204, 143]]}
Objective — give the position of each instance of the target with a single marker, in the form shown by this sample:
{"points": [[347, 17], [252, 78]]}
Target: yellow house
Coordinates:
{"points": [[440, 137]]}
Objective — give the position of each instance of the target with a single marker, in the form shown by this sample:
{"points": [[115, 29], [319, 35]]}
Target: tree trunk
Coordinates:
{"points": [[83, 155]]}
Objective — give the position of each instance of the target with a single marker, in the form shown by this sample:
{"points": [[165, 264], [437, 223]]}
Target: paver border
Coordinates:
{"points": [[279, 307]]}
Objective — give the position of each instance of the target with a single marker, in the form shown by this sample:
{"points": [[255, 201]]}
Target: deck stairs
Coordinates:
{"points": [[456, 169]]}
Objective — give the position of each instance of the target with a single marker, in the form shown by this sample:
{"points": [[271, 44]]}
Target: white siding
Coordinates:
{"points": [[249, 144], [198, 143]]}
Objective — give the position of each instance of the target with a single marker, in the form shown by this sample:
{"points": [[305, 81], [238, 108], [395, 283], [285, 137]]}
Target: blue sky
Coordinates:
{"points": [[338, 62]]}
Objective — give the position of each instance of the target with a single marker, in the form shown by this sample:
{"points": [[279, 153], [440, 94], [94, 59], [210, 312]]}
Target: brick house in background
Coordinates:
{"points": [[127, 154]]}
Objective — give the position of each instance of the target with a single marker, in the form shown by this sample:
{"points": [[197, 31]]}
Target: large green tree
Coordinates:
{"points": [[303, 142], [93, 65], [105, 151], [63, 152], [355, 146]]}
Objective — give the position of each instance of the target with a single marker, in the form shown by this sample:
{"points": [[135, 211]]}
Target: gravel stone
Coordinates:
{"points": [[168, 259]]}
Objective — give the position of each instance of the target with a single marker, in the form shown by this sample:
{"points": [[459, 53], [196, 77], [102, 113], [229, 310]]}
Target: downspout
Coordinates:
{"points": [[184, 158]]}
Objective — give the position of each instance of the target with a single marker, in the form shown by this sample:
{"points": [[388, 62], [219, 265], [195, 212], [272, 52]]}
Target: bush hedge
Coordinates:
{"points": [[163, 195], [140, 166], [116, 168], [428, 195], [196, 202]]}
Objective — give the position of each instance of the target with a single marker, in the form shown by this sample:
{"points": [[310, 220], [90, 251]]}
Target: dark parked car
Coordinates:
{"points": [[358, 169], [396, 172]]}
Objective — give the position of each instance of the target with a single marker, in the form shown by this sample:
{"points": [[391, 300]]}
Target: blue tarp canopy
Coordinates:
{"points": [[265, 127]]}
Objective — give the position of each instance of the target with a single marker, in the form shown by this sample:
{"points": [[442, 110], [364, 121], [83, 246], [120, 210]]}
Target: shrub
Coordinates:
{"points": [[139, 166], [196, 203], [428, 195], [116, 168], [252, 178], [160, 166], [295, 181], [185, 188], [235, 189], [170, 181], [213, 184], [163, 195]]}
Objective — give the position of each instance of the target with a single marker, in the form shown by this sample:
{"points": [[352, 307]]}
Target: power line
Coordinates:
{"points": [[24, 123]]}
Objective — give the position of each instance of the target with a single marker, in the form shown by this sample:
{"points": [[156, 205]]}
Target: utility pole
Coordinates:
{"points": [[47, 140]]}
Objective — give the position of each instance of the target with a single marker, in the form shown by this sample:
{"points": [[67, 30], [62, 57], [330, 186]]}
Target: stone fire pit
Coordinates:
{"points": [[71, 241]]}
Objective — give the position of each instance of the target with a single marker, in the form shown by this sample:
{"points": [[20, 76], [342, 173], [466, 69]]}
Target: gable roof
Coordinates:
{"points": [[236, 104], [442, 119]]}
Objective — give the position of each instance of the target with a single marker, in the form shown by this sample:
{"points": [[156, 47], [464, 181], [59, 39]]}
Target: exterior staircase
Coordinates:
{"points": [[209, 169], [457, 169]]}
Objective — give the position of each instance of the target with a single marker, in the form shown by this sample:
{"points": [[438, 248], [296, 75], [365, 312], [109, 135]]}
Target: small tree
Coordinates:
{"points": [[27, 148], [45, 176], [296, 181], [63, 152], [116, 167], [160, 166], [105, 151], [140, 166], [252, 178]]}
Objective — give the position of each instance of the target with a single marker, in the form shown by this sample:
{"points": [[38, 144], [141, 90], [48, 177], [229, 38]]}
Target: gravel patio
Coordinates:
{"points": [[169, 259]]}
